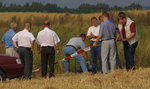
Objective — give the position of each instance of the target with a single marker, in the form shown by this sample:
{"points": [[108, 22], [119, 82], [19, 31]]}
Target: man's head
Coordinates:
{"points": [[100, 19], [13, 26], [46, 23], [94, 21], [28, 26], [122, 18], [105, 16], [83, 36]]}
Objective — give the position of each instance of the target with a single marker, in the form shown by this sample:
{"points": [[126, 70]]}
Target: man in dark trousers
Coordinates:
{"points": [[129, 37], [48, 41], [25, 40]]}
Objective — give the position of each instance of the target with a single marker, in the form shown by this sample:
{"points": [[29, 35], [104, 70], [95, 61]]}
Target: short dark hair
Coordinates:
{"points": [[94, 18], [83, 35], [28, 25], [121, 15], [100, 17], [46, 23], [106, 14]]}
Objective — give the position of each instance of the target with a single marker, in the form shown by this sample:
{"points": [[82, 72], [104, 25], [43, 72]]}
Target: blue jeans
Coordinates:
{"points": [[68, 50], [96, 54], [129, 51]]}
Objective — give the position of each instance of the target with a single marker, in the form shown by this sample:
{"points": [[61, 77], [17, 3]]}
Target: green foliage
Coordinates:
{"points": [[83, 8], [133, 7]]}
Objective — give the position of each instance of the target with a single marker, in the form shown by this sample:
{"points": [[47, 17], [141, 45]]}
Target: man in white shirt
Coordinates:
{"points": [[92, 34], [72, 46], [48, 41], [23, 41]]}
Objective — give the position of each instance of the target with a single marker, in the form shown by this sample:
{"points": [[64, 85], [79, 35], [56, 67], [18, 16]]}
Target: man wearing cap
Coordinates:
{"points": [[108, 51], [25, 41], [7, 40], [92, 34], [129, 37], [74, 44], [47, 41]]}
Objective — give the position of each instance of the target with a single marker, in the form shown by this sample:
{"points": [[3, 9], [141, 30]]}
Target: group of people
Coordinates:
{"points": [[103, 35]]}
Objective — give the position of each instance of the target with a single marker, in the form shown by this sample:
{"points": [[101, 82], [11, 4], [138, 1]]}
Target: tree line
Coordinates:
{"points": [[53, 8]]}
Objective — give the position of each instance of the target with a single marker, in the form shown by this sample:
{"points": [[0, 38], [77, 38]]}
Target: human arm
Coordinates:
{"points": [[56, 47], [56, 43], [86, 56], [100, 35], [38, 43], [118, 37], [32, 40], [90, 35], [97, 40], [132, 34], [14, 40], [3, 38]]}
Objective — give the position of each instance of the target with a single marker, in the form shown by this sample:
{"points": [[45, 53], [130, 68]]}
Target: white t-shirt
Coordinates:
{"points": [[47, 37], [94, 30], [24, 38]]}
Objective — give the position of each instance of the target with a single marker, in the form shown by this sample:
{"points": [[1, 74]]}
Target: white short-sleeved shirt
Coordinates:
{"points": [[76, 42], [47, 37], [94, 30], [24, 38]]}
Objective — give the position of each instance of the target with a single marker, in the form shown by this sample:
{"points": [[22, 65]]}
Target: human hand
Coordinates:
{"points": [[57, 51], [93, 36], [17, 48], [39, 52], [95, 44], [118, 40], [123, 40]]}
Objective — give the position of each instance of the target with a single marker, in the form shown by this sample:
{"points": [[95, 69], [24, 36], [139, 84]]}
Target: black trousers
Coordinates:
{"points": [[26, 57], [47, 60], [129, 51]]}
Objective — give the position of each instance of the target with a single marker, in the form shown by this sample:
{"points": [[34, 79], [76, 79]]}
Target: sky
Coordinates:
{"points": [[76, 3]]}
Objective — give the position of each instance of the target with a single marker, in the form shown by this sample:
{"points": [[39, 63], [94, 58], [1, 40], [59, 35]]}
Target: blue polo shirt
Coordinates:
{"points": [[107, 30], [111, 21], [7, 38]]}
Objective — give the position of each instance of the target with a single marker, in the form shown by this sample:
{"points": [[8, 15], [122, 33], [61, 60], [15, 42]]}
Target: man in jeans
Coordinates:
{"points": [[107, 34], [92, 34], [72, 46], [129, 37]]}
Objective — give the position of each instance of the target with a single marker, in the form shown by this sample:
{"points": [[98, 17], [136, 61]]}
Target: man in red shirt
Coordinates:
{"points": [[129, 37]]}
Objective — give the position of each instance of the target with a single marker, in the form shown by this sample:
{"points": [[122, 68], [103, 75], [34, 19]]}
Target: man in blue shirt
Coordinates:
{"points": [[118, 64], [108, 52], [7, 40]]}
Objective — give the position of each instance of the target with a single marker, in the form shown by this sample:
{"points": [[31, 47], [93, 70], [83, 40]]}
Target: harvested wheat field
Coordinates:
{"points": [[120, 79]]}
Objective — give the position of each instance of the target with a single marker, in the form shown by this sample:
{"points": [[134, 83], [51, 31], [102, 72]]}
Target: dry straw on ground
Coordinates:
{"points": [[120, 79], [74, 24]]}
